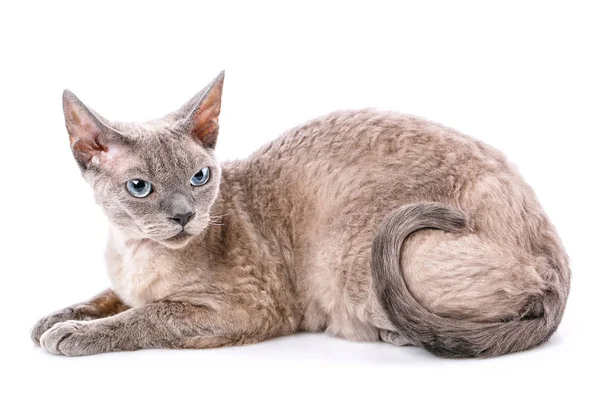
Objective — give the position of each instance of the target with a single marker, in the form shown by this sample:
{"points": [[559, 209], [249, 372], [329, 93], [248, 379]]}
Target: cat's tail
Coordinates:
{"points": [[444, 336]]}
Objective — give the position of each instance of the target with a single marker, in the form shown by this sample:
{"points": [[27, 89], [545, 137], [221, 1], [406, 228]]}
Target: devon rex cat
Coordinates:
{"points": [[366, 225]]}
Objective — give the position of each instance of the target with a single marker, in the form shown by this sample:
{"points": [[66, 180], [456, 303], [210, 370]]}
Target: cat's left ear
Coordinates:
{"points": [[203, 121]]}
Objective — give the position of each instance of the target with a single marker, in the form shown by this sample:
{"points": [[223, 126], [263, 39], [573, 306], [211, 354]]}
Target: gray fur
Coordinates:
{"points": [[445, 336]]}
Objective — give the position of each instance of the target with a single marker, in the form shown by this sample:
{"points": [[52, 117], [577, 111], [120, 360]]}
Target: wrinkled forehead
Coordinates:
{"points": [[163, 155]]}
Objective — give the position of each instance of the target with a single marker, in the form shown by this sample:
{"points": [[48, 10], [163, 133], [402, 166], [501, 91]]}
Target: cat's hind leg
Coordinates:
{"points": [[469, 278]]}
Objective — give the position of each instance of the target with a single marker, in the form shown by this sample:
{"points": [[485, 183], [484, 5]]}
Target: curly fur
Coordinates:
{"points": [[283, 241]]}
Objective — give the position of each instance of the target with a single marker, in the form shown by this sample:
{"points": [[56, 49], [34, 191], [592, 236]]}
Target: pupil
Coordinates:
{"points": [[138, 184]]}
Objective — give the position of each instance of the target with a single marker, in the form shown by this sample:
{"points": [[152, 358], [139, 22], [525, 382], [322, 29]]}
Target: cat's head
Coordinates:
{"points": [[154, 180]]}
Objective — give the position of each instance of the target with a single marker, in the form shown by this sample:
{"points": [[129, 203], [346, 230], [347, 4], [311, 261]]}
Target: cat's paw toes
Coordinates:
{"points": [[49, 321], [65, 338], [394, 338]]}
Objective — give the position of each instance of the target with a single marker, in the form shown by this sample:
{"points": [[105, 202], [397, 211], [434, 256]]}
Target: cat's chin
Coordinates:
{"points": [[178, 241]]}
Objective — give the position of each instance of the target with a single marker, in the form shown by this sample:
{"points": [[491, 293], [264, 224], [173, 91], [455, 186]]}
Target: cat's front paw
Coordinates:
{"points": [[68, 338], [49, 321]]}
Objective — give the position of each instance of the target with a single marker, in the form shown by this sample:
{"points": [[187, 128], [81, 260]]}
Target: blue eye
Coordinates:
{"points": [[201, 177], [139, 188]]}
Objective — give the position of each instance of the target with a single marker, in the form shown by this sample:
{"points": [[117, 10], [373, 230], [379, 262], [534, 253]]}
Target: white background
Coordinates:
{"points": [[522, 76]]}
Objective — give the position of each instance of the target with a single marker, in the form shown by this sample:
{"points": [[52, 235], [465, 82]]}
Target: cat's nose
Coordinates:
{"points": [[183, 218]]}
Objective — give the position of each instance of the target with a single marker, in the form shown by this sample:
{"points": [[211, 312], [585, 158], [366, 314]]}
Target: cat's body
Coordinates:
{"points": [[290, 243]]}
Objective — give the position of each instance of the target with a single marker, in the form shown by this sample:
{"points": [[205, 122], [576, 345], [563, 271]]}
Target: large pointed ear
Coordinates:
{"points": [[203, 120], [91, 138]]}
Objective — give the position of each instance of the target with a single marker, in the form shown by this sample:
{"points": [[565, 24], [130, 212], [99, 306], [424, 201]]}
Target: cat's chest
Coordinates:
{"points": [[140, 273]]}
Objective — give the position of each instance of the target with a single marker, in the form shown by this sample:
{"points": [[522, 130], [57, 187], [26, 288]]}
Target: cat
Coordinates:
{"points": [[367, 225]]}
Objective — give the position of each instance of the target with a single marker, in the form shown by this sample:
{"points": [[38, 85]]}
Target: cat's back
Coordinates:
{"points": [[341, 161], [350, 136], [359, 148]]}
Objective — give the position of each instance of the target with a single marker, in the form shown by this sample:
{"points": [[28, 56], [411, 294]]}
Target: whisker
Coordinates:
{"points": [[218, 216]]}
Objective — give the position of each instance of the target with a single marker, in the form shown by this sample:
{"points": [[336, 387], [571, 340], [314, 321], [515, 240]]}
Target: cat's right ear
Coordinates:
{"points": [[90, 137]]}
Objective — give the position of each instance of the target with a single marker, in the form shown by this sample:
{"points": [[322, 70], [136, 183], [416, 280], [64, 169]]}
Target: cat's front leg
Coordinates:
{"points": [[157, 325], [103, 305]]}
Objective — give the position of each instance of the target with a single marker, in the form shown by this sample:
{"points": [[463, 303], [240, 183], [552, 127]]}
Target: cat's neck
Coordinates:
{"points": [[125, 243]]}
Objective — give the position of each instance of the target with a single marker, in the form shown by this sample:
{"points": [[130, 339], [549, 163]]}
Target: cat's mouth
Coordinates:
{"points": [[178, 240], [180, 236]]}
